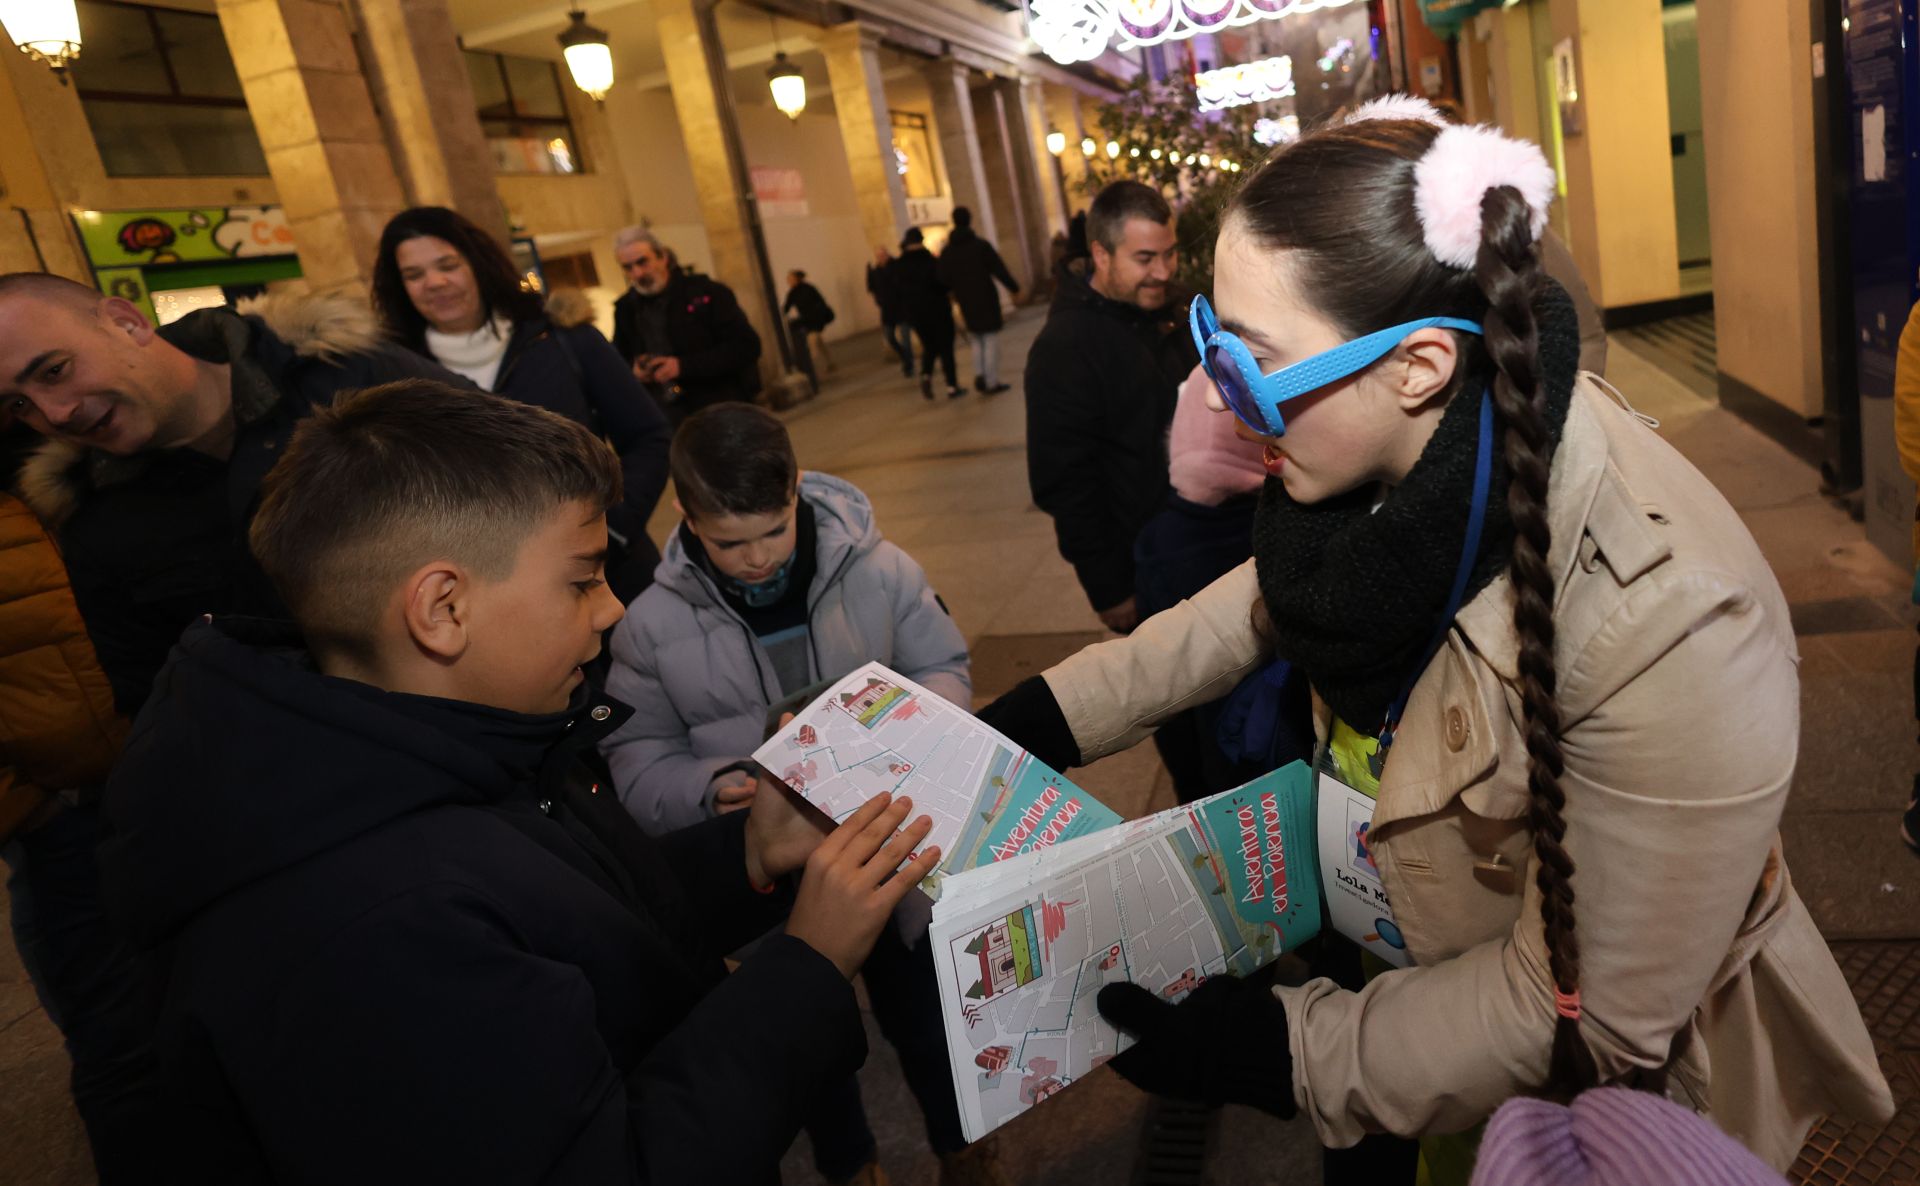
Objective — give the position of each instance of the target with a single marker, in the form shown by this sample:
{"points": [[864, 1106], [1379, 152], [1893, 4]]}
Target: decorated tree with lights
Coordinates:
{"points": [[1155, 133]]}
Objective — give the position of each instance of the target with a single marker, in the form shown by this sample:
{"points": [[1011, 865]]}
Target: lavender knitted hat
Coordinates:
{"points": [[1612, 1136]]}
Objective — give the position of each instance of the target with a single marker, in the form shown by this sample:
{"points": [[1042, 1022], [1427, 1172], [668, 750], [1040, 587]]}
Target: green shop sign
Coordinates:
{"points": [[135, 253]]}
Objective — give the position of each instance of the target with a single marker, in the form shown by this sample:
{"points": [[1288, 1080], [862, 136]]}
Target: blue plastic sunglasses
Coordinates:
{"points": [[1256, 398]]}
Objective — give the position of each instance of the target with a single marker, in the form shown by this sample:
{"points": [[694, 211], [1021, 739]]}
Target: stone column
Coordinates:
{"points": [[324, 145], [1033, 105], [1026, 139], [719, 166], [866, 130], [1064, 105], [1003, 181], [960, 143], [419, 80]]}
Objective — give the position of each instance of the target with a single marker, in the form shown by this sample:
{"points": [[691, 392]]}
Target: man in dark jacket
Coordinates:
{"points": [[1102, 380], [929, 310], [808, 315], [969, 267], [437, 948], [884, 288], [160, 439], [684, 334]]}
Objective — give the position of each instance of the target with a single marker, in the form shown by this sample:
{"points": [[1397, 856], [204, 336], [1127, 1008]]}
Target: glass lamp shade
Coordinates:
{"points": [[1113, 149], [789, 86], [1088, 147], [48, 30], [589, 59], [1056, 142]]}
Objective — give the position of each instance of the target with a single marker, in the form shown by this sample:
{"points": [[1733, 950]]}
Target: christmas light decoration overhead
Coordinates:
{"points": [[1250, 82], [1070, 31]]}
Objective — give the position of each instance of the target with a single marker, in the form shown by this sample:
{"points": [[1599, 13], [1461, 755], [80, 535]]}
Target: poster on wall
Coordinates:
{"points": [[169, 262], [142, 238], [782, 193]]}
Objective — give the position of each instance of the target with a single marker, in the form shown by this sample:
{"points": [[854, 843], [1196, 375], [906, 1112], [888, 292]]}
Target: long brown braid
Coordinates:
{"points": [[1508, 272]]}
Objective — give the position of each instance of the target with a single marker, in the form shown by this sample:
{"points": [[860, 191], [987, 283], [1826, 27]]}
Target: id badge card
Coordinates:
{"points": [[1356, 897]]}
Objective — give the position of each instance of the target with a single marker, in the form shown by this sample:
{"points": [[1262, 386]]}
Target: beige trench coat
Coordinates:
{"points": [[1679, 686]]}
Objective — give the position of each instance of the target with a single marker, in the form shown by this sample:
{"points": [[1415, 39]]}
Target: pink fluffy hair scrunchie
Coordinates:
{"points": [[1455, 174]]}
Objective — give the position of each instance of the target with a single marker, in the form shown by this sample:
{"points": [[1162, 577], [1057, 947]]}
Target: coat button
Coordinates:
{"points": [[1456, 730], [546, 807], [600, 712]]}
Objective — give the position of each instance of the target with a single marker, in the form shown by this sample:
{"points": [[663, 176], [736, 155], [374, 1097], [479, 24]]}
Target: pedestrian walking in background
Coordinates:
{"points": [[884, 286], [684, 334], [807, 315], [1101, 383], [972, 270], [448, 290], [929, 310]]}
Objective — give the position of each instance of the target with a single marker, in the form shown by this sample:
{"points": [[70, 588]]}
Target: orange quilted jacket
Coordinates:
{"points": [[58, 730]]}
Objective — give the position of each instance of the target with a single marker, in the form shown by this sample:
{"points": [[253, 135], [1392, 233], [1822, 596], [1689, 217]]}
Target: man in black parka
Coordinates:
{"points": [[159, 439], [1102, 381], [683, 333]]}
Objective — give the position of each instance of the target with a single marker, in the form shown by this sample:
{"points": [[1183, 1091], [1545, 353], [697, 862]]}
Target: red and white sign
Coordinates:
{"points": [[782, 193]]}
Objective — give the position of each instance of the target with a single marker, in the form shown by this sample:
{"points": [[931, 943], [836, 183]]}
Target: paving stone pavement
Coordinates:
{"points": [[948, 481]]}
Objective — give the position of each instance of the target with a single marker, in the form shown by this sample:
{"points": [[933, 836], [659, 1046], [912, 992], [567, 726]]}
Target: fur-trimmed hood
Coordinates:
{"points": [[325, 327]]}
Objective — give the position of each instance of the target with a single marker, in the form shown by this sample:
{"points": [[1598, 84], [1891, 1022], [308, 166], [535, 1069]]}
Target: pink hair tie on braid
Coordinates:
{"points": [[1453, 177], [1567, 1004]]}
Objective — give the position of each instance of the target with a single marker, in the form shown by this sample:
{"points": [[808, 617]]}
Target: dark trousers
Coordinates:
{"points": [[797, 332], [899, 337], [936, 344], [906, 1004], [93, 988]]}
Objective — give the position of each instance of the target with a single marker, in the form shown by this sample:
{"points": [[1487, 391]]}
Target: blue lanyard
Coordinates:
{"points": [[1476, 522]]}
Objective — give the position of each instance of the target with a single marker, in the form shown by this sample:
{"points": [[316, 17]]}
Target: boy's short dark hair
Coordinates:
{"points": [[397, 475], [733, 459], [1119, 203]]}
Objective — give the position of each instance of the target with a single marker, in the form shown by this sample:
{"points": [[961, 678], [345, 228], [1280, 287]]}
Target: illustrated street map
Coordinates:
{"points": [[879, 731], [1047, 895]]}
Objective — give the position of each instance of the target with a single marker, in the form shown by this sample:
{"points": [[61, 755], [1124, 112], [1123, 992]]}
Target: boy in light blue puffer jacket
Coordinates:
{"points": [[777, 580]]}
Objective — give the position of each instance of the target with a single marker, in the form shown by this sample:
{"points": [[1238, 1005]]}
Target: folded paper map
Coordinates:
{"points": [[1044, 895]]}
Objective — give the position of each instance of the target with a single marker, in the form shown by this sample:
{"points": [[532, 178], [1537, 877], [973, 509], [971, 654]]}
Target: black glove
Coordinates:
{"points": [[1030, 717], [1226, 1043]]}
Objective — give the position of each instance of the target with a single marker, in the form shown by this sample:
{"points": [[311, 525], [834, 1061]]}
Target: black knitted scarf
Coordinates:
{"points": [[1354, 594]]}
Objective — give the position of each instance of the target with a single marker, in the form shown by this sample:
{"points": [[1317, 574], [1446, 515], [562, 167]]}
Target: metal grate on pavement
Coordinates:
{"points": [[1885, 977]]}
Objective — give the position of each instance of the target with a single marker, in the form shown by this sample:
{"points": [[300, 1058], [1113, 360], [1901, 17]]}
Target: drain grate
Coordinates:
{"points": [[1173, 1151], [1886, 982], [1885, 977], [1847, 1153]]}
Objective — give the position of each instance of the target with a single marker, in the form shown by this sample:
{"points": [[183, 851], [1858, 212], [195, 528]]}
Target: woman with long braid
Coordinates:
{"points": [[1540, 641]]}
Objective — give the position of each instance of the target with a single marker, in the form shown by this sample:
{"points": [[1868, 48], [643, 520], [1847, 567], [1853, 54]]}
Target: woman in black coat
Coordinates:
{"points": [[448, 289]]}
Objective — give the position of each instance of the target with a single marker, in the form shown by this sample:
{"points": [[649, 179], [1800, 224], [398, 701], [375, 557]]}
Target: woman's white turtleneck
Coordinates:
{"points": [[476, 355]]}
